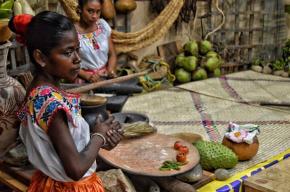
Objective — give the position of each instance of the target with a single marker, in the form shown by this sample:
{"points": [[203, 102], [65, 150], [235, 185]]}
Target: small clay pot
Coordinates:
{"points": [[5, 32], [244, 151]]}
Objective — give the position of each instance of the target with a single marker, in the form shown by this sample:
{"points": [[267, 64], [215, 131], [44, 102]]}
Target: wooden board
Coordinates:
{"points": [[145, 155], [273, 179], [21, 174], [168, 52], [207, 177], [12, 183], [15, 178]]}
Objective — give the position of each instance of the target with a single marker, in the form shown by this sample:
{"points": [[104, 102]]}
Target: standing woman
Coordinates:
{"points": [[96, 47], [57, 138]]}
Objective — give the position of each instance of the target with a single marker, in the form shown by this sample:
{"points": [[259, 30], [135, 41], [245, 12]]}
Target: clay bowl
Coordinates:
{"points": [[243, 151]]}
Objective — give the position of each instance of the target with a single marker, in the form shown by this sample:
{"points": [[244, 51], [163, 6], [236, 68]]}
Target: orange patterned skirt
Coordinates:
{"points": [[43, 183]]}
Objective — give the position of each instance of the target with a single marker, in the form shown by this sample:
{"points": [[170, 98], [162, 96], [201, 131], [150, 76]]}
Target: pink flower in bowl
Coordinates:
{"points": [[237, 136]]}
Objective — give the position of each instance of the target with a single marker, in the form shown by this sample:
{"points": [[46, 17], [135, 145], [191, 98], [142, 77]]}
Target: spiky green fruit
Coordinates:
{"points": [[215, 155]]}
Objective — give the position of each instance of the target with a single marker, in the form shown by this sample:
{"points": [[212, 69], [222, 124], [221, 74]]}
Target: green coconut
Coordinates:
{"points": [[199, 74], [182, 75], [189, 63], [179, 59], [191, 48], [212, 54], [217, 72], [212, 63], [205, 46]]}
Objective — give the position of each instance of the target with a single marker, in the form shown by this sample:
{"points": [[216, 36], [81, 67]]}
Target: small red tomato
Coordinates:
{"points": [[181, 157], [177, 144], [183, 149]]}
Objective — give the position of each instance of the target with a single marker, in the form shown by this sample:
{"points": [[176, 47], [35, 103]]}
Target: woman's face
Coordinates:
{"points": [[91, 12], [63, 61]]}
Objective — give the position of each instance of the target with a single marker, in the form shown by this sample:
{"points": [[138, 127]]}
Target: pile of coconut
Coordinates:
{"points": [[197, 61]]}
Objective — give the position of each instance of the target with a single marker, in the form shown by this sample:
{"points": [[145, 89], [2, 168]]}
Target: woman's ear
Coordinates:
{"points": [[39, 57]]}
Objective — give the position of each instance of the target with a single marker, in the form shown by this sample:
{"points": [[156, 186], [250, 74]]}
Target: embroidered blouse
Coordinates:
{"points": [[37, 114], [94, 47]]}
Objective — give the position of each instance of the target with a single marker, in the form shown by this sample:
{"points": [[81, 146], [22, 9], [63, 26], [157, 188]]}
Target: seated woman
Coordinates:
{"points": [[96, 47], [57, 138]]}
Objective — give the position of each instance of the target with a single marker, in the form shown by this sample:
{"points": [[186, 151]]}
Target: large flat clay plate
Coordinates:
{"points": [[145, 155]]}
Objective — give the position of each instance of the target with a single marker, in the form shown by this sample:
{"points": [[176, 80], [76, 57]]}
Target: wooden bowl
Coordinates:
{"points": [[244, 151], [144, 155], [189, 137], [5, 32]]}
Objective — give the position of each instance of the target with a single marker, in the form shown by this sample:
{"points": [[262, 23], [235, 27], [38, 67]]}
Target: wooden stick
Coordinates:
{"points": [[95, 85], [282, 104]]}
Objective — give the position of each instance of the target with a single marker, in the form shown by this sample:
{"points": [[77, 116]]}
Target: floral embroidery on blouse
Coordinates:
{"points": [[93, 36], [43, 103]]}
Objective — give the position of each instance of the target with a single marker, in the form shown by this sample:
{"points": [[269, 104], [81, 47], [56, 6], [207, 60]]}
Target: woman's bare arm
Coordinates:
{"points": [[75, 163], [112, 59]]}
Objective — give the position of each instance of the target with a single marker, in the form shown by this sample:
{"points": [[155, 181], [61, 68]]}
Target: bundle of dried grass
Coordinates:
{"points": [[137, 129]]}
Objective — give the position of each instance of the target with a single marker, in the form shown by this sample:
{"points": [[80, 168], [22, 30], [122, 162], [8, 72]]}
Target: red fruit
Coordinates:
{"points": [[183, 149], [181, 157], [177, 145]]}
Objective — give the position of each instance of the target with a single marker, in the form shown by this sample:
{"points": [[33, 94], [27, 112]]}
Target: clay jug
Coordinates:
{"points": [[243, 150], [12, 95], [5, 32], [108, 10], [125, 6]]}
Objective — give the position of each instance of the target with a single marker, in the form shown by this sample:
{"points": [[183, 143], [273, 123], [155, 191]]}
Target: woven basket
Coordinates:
{"points": [[253, 29]]}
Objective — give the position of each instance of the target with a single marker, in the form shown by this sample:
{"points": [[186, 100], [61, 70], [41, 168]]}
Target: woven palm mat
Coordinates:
{"points": [[176, 110], [247, 87]]}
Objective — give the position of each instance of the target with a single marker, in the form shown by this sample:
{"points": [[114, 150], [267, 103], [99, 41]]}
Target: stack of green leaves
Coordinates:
{"points": [[170, 165]]}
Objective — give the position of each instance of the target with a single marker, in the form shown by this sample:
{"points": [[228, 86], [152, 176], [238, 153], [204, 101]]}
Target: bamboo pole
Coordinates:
{"points": [[95, 85]]}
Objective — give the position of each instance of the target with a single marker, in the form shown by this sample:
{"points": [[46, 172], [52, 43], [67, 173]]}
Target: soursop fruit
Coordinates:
{"points": [[215, 155]]}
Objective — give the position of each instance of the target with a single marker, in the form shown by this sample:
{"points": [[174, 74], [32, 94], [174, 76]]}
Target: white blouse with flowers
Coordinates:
{"points": [[36, 115], [94, 47]]}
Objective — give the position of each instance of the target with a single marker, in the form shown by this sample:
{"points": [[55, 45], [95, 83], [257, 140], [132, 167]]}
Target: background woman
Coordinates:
{"points": [[96, 46]]}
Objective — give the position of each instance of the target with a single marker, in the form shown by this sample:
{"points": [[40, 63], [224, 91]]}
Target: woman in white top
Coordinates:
{"points": [[96, 47], [58, 140]]}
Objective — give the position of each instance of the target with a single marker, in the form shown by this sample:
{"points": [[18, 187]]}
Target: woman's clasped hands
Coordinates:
{"points": [[110, 130]]}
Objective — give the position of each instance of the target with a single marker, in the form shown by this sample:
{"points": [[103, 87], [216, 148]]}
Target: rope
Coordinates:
{"points": [[222, 23], [150, 84]]}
